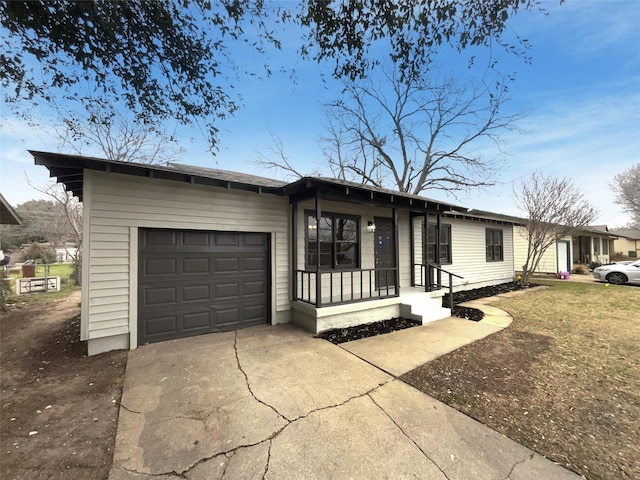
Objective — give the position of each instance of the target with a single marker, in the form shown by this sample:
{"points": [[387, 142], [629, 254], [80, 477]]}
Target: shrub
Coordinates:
{"points": [[5, 288], [579, 269]]}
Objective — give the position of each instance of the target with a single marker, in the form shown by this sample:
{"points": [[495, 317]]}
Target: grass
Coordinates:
{"points": [[563, 379], [62, 270]]}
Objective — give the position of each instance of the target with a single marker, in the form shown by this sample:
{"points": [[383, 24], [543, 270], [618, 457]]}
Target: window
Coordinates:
{"points": [[605, 246], [495, 252], [339, 241], [596, 246], [445, 244]]}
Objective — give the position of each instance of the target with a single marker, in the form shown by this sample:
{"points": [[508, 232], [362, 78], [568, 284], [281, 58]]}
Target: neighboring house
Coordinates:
{"points": [[177, 251], [66, 253], [627, 242], [591, 244], [8, 215]]}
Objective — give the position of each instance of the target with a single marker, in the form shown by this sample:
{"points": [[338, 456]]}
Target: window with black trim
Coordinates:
{"points": [[596, 246], [339, 240], [495, 251], [445, 244]]}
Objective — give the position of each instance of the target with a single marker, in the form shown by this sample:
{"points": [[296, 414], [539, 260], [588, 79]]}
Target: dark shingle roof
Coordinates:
{"points": [[227, 175]]}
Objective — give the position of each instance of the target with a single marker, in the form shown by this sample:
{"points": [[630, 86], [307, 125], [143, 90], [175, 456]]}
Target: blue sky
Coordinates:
{"points": [[582, 92]]}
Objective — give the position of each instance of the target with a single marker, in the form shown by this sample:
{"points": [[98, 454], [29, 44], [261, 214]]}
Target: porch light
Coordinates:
{"points": [[371, 227]]}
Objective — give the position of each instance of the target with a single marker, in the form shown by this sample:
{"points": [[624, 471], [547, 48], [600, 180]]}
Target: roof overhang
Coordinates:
{"points": [[8, 215], [349, 192], [69, 170]]}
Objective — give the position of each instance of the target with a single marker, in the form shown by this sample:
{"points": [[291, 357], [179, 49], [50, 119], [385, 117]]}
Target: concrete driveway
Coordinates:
{"points": [[274, 402]]}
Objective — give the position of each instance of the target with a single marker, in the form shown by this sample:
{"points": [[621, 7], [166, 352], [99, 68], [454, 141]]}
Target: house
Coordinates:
{"points": [[626, 242], [66, 253], [175, 251], [586, 245]]}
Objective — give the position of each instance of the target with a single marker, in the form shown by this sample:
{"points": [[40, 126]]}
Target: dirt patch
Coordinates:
{"points": [[563, 379], [59, 407]]}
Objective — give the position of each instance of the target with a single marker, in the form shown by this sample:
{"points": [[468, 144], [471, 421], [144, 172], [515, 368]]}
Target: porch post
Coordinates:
{"points": [[438, 224], [412, 249], [318, 279], [425, 259], [293, 251], [396, 252]]}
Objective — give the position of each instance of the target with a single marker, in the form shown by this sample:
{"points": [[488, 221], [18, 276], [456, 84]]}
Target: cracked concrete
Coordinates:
{"points": [[274, 402]]}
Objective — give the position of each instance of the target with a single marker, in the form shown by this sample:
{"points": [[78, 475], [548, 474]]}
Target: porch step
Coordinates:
{"points": [[424, 309]]}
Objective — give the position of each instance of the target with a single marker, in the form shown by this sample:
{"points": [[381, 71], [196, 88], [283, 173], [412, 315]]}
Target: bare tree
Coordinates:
{"points": [[70, 211], [417, 133], [554, 208], [626, 186], [119, 136], [277, 159]]}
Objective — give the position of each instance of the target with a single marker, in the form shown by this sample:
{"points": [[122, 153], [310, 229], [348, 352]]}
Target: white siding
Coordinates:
{"points": [[115, 203], [548, 262], [468, 254]]}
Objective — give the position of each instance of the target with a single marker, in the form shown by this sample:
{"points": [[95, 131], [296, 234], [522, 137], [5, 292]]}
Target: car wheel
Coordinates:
{"points": [[617, 278]]}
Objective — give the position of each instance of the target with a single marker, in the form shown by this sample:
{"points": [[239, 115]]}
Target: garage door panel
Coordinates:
{"points": [[196, 266], [196, 293], [254, 240], [255, 288], [227, 316], [160, 238], [193, 282], [155, 296], [227, 239], [227, 291], [197, 321], [226, 265], [160, 326], [253, 264], [196, 239], [159, 266]]}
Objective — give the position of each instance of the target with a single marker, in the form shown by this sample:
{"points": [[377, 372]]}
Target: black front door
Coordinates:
{"points": [[384, 248]]}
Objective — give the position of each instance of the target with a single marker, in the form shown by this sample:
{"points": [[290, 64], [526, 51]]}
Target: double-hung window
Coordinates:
{"points": [[495, 251], [339, 243], [445, 244]]}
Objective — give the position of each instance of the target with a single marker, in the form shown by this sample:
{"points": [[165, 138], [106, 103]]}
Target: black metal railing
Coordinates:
{"points": [[431, 279], [335, 287]]}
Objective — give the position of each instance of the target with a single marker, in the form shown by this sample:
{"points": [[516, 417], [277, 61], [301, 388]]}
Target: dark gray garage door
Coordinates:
{"points": [[194, 282]]}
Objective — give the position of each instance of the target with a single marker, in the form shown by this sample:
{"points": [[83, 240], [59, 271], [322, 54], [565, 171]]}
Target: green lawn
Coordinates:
{"points": [[563, 379], [62, 270]]}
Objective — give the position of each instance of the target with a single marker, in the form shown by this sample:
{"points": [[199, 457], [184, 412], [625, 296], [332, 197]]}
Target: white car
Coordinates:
{"points": [[619, 273]]}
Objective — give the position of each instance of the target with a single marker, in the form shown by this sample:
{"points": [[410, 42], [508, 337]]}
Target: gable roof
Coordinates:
{"points": [[8, 215], [69, 170]]}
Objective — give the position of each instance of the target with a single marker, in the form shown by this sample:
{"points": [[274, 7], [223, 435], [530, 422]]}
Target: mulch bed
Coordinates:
{"points": [[342, 335]]}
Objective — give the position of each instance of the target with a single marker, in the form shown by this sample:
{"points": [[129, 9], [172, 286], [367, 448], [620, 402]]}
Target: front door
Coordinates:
{"points": [[563, 256], [385, 256]]}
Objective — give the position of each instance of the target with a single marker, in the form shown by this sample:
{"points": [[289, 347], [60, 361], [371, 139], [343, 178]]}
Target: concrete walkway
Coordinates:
{"points": [[276, 403]]}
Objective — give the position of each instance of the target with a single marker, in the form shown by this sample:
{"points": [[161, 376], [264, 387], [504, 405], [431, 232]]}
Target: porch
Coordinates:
{"points": [[410, 302], [361, 254]]}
